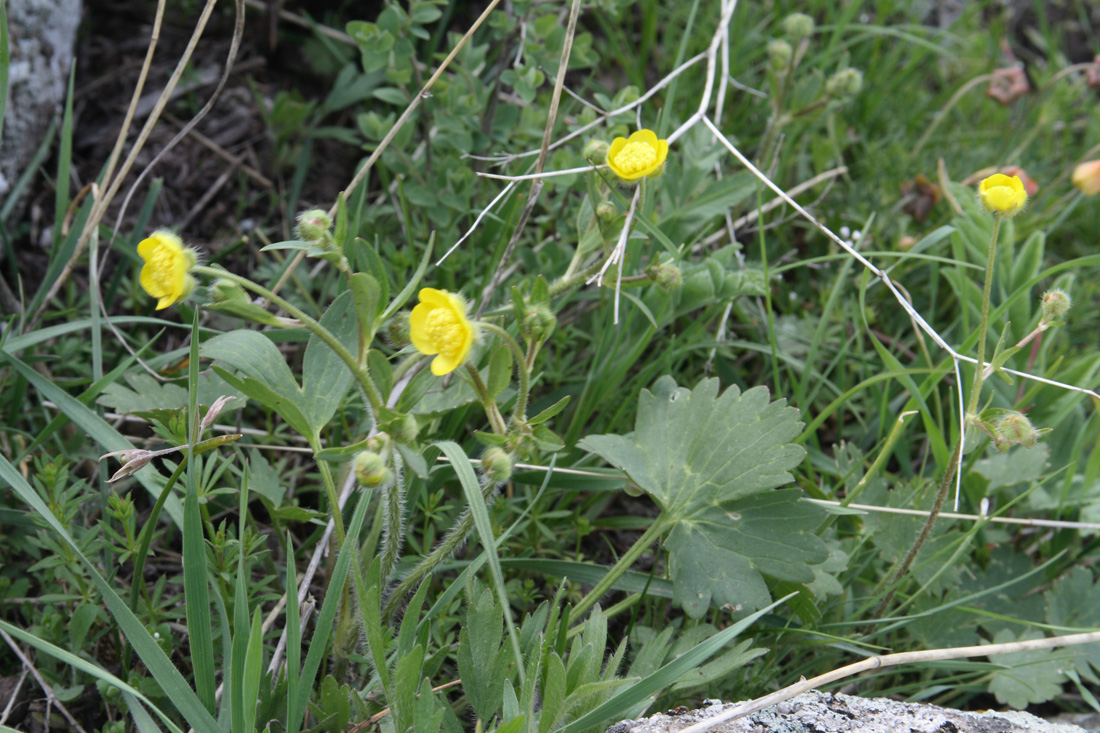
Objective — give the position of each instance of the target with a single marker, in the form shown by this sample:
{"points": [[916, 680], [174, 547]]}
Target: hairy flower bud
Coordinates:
{"points": [[798, 26], [1056, 303], [1013, 429], [313, 225], [371, 469], [595, 151], [225, 291], [397, 330], [538, 323], [404, 429], [497, 464], [666, 276], [844, 84], [779, 54]]}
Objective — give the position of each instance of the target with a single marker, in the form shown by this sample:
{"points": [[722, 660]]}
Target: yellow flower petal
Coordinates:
{"points": [[165, 275], [638, 156], [1002, 195], [438, 325]]}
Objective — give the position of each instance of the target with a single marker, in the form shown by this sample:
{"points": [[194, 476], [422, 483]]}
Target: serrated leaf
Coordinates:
{"points": [[711, 463], [1073, 601], [1029, 677]]}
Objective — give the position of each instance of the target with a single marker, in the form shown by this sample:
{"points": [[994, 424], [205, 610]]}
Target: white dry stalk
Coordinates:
{"points": [[618, 254], [889, 660]]}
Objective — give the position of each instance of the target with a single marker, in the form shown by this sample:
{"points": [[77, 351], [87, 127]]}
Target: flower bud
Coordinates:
{"points": [[606, 213], [779, 54], [131, 460], [1056, 303], [313, 225], [595, 151], [1086, 177], [397, 330], [371, 469], [404, 429], [666, 276], [212, 413], [843, 84], [225, 291], [798, 26], [538, 323], [1013, 429], [497, 464], [378, 442], [907, 243]]}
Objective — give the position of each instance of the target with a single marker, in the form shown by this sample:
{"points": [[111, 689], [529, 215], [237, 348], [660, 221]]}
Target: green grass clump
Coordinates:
{"points": [[683, 437]]}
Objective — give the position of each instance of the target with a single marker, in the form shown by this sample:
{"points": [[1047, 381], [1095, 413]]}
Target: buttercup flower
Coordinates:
{"points": [[1087, 177], [1002, 195], [438, 325], [166, 273], [642, 154]]}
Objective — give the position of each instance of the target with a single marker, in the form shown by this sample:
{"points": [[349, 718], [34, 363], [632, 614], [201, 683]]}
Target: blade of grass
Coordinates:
{"points": [[5, 64], [327, 617], [64, 162], [253, 671], [84, 665], [196, 588], [94, 426], [293, 634], [465, 471], [240, 620], [666, 675]]}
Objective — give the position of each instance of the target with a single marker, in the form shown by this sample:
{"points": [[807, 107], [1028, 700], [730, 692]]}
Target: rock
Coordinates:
{"points": [[41, 36], [824, 712]]}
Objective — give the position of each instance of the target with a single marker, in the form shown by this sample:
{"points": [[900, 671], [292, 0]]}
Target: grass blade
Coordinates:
{"points": [[173, 684], [465, 471], [196, 588], [666, 675]]}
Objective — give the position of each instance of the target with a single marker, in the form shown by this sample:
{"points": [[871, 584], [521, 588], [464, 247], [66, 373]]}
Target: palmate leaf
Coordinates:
{"points": [[712, 462]]}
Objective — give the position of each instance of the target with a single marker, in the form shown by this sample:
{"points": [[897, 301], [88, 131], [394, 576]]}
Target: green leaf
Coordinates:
{"points": [[663, 677], [365, 291], [254, 389], [177, 689], [1031, 676], [479, 644], [325, 377], [407, 676], [550, 411], [254, 355], [711, 463], [1074, 602], [500, 370]]}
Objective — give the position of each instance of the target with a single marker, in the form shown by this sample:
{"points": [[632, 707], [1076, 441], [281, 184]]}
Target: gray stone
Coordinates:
{"points": [[824, 712], [41, 37]]}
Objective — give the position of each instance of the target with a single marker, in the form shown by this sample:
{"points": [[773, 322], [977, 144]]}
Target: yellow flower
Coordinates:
{"points": [[642, 154], [1087, 177], [438, 325], [1002, 195], [166, 273]]}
